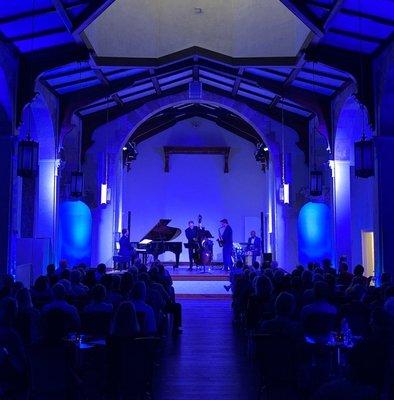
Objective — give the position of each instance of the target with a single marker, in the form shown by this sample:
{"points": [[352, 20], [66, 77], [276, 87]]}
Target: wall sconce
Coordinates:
{"points": [[27, 158], [316, 183], [284, 193], [364, 158], [76, 184]]}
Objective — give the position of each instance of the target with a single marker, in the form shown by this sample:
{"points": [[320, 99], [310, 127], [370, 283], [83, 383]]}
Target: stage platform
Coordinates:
{"points": [[197, 284]]}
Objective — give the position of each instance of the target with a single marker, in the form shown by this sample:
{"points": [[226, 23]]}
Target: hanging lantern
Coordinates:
{"points": [[76, 189], [27, 158], [316, 183], [364, 158]]}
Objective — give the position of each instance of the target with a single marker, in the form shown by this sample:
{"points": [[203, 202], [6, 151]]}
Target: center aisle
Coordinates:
{"points": [[208, 361]]}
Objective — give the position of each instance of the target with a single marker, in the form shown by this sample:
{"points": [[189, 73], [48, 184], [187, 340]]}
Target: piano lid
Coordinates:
{"points": [[162, 233]]}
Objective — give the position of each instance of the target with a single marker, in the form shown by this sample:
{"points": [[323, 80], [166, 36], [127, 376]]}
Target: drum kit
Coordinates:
{"points": [[240, 254]]}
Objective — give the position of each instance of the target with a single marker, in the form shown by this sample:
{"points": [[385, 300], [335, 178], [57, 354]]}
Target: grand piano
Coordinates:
{"points": [[158, 240]]}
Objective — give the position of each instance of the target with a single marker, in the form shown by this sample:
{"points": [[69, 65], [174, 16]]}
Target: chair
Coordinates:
{"points": [[319, 324], [141, 318], [96, 323], [51, 372], [277, 359], [130, 366]]}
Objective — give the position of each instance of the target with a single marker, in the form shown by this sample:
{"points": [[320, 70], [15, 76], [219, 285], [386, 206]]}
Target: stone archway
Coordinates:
{"points": [[105, 219]]}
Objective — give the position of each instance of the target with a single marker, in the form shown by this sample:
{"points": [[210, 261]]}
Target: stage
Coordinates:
{"points": [[197, 284]]}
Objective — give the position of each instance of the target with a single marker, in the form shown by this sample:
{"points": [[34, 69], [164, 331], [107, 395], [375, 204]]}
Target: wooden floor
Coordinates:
{"points": [[208, 361]]}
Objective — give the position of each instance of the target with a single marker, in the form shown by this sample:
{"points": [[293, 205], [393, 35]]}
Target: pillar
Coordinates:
{"points": [[341, 209]]}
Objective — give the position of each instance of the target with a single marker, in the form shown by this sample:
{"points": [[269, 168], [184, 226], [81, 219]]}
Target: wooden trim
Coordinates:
{"points": [[223, 151]]}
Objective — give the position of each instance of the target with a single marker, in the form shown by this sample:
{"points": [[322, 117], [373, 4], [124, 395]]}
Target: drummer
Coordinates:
{"points": [[254, 245]]}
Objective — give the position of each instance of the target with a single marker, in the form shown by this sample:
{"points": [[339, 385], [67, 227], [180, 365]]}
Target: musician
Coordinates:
{"points": [[226, 237], [126, 250], [192, 236], [254, 245]]}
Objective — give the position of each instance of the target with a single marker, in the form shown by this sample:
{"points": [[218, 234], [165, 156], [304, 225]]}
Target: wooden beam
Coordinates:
{"points": [[370, 17], [62, 12], [27, 36], [116, 98], [91, 15], [306, 16], [154, 80], [356, 35], [37, 12], [332, 14], [237, 81]]}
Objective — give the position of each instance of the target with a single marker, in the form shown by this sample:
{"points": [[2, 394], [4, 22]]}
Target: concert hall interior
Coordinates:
{"points": [[176, 161]]}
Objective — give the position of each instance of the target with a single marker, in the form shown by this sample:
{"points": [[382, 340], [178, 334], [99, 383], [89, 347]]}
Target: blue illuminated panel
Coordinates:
{"points": [[314, 233], [75, 232]]}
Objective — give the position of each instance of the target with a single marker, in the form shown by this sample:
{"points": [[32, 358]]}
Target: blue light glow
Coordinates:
{"points": [[75, 232], [314, 233]]}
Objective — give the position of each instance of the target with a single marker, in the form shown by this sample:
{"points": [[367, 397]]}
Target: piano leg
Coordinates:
{"points": [[176, 260]]}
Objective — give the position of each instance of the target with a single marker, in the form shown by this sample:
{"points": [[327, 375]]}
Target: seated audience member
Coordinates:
{"points": [[90, 278], [6, 286], [355, 311], [59, 303], [51, 274], [98, 304], [359, 277], [345, 277], [113, 293], [40, 292], [100, 272], [328, 268], [13, 366], [125, 323], [260, 302], [361, 381], [318, 318], [127, 284], [63, 264], [138, 298], [54, 360], [28, 318], [64, 279], [78, 289], [283, 323]]}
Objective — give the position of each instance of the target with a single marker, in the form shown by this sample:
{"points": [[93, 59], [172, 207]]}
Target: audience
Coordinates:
{"points": [[311, 307], [98, 304], [59, 303]]}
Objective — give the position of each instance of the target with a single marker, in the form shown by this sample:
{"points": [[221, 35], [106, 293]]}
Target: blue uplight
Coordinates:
{"points": [[75, 232], [314, 233]]}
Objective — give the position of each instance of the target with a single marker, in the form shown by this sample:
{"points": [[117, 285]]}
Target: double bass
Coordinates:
{"points": [[205, 244]]}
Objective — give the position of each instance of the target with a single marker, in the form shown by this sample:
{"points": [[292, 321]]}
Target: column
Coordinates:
{"points": [[6, 169], [384, 210], [341, 209]]}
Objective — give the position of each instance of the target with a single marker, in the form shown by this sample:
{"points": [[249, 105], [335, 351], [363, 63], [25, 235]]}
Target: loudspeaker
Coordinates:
{"points": [[267, 257]]}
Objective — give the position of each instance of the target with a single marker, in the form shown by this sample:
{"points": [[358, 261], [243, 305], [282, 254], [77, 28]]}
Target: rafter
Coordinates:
{"points": [[299, 9], [62, 12], [90, 15], [238, 80], [154, 80]]}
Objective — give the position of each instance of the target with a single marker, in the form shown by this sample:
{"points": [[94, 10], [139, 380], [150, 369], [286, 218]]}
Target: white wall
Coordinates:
{"points": [[239, 28], [195, 184]]}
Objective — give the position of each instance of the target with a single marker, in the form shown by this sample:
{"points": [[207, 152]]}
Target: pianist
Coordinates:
{"points": [[126, 250]]}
